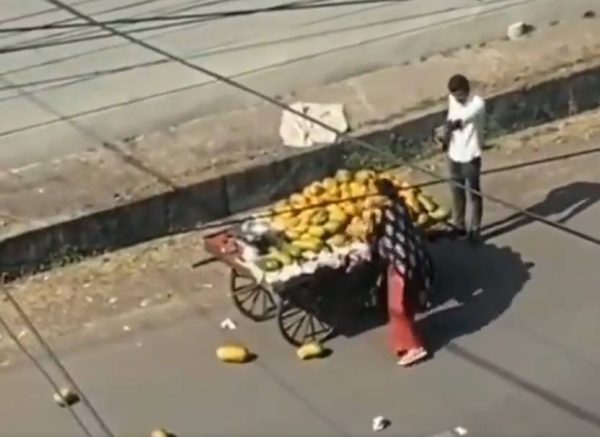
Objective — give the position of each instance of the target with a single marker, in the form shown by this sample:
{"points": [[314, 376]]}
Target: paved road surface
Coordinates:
{"points": [[517, 357], [80, 88]]}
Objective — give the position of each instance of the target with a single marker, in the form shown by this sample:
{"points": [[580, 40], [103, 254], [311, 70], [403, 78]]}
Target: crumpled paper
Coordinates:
{"points": [[299, 132]]}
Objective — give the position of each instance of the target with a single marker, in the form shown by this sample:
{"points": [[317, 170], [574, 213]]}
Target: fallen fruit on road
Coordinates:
{"points": [[310, 351], [66, 397], [233, 354], [161, 433]]}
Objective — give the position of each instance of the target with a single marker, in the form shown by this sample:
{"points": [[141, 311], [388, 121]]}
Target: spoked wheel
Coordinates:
{"points": [[251, 299], [301, 318]]}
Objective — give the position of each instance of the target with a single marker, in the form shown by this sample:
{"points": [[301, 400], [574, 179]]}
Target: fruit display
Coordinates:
{"points": [[337, 213]]}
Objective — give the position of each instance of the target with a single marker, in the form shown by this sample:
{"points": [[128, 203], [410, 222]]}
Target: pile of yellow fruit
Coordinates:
{"points": [[340, 210]]}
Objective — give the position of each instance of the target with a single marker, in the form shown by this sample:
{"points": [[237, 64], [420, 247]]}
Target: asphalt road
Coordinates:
{"points": [[514, 346], [64, 90]]}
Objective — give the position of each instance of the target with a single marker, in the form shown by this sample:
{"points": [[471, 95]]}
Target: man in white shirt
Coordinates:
{"points": [[465, 128]]}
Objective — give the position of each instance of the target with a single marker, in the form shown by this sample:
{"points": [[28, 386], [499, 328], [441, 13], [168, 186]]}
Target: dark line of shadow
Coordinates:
{"points": [[79, 32], [540, 392], [239, 75], [291, 39], [42, 12], [128, 159], [522, 165]]}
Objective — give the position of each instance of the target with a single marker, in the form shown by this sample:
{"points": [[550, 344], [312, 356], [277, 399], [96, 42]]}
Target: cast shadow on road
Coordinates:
{"points": [[560, 205], [475, 286]]}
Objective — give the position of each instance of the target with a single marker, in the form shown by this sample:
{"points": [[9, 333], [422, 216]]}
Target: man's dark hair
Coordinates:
{"points": [[458, 82], [386, 188]]}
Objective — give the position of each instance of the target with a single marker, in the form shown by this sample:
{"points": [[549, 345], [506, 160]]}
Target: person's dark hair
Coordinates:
{"points": [[386, 188], [457, 83]]}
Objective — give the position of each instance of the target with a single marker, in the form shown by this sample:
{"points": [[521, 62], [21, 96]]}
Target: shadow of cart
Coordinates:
{"points": [[475, 285]]}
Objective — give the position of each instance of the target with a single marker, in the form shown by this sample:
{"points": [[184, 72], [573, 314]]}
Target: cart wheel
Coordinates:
{"points": [[251, 299], [300, 319]]}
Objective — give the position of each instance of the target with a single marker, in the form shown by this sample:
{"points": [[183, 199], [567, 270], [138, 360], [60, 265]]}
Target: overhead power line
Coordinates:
{"points": [[44, 373], [342, 135], [63, 370], [296, 6]]}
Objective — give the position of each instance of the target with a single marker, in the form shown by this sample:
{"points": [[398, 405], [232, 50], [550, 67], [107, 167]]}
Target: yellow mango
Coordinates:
{"points": [[310, 351], [233, 354], [343, 175], [440, 214], [427, 202], [364, 175], [316, 231], [358, 189], [320, 217], [333, 226], [329, 184]]}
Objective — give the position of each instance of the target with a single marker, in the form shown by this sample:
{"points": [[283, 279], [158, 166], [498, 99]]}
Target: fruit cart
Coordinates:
{"points": [[292, 264], [308, 307]]}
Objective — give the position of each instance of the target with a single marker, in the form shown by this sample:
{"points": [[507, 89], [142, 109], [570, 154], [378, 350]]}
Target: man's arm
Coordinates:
{"points": [[473, 110], [453, 120]]}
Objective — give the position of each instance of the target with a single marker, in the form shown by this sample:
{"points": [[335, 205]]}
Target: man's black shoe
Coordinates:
{"points": [[475, 237], [460, 233]]}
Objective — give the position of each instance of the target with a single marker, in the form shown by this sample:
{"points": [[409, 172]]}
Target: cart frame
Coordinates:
{"points": [[307, 308]]}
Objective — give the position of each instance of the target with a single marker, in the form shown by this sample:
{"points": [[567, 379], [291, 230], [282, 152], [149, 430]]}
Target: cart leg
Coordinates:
{"points": [[251, 299]]}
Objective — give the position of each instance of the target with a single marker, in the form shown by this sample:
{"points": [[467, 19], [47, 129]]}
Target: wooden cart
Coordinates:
{"points": [[307, 308]]}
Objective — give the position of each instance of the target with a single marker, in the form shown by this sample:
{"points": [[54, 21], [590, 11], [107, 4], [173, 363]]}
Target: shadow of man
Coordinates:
{"points": [[566, 202], [476, 285]]}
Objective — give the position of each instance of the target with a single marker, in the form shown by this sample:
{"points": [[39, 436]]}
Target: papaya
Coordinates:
{"points": [[284, 258], [427, 202], [423, 219], [309, 255], [338, 216], [293, 234], [412, 202], [291, 250], [357, 189], [338, 240], [440, 214], [308, 243], [310, 351], [297, 199], [281, 206], [329, 184], [278, 224], [343, 176], [269, 264], [320, 217], [306, 214], [317, 231], [233, 354], [333, 226], [364, 175], [349, 208]]}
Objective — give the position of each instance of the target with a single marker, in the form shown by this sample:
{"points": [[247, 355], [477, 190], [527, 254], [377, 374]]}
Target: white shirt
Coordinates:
{"points": [[466, 143]]}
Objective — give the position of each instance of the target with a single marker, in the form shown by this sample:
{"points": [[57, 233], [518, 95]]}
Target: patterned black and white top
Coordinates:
{"points": [[403, 245]]}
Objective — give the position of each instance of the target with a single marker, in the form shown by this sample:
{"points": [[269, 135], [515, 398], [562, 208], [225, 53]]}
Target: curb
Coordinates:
{"points": [[213, 199]]}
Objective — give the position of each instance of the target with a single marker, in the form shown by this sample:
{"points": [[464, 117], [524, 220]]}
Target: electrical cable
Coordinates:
{"points": [[44, 373], [29, 324], [340, 135], [185, 17]]}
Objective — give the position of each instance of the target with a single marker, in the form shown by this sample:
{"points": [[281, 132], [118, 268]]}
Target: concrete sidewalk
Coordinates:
{"points": [[172, 181]]}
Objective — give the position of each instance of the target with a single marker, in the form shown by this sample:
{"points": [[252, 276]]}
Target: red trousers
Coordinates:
{"points": [[401, 308]]}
